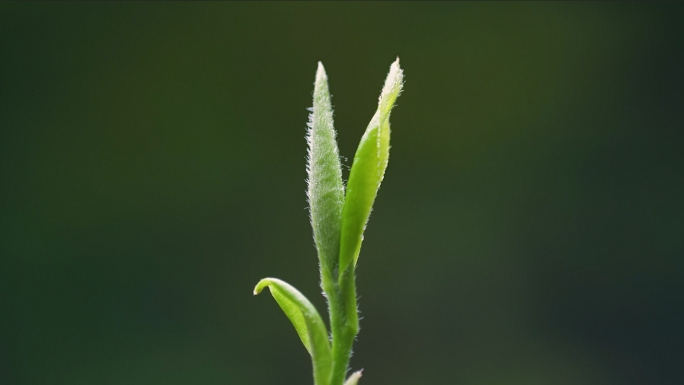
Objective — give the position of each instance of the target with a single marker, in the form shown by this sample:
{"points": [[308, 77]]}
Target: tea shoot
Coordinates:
{"points": [[338, 219]]}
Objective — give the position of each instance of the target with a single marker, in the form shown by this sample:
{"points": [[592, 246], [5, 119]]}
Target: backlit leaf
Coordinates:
{"points": [[367, 170], [306, 321]]}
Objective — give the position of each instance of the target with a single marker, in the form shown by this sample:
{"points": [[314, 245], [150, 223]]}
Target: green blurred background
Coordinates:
{"points": [[530, 229]]}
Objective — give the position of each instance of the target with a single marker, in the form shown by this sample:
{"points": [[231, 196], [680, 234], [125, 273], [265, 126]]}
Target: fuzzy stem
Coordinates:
{"points": [[344, 324]]}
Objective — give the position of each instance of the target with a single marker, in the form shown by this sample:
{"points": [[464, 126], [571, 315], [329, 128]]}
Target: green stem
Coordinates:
{"points": [[344, 323]]}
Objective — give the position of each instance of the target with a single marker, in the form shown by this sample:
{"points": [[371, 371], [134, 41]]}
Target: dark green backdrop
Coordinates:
{"points": [[530, 229]]}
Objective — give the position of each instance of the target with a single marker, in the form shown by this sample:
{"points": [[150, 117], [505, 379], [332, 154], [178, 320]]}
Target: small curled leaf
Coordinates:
{"points": [[307, 323]]}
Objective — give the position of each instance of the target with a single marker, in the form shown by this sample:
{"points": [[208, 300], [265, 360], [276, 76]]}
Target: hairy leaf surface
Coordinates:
{"points": [[325, 187], [367, 170]]}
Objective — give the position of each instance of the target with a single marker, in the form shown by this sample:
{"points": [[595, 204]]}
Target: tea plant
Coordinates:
{"points": [[338, 222]]}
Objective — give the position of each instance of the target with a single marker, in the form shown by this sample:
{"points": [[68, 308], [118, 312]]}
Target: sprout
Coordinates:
{"points": [[338, 223]]}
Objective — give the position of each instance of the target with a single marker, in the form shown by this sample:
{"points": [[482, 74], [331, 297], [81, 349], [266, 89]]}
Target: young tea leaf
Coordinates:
{"points": [[307, 322], [325, 190], [368, 170]]}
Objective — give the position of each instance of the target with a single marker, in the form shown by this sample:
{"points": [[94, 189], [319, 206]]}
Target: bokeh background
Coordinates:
{"points": [[530, 228]]}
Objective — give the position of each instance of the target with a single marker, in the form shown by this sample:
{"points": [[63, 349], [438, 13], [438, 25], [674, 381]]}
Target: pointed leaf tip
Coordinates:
{"points": [[260, 286], [320, 72], [392, 88], [354, 378]]}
